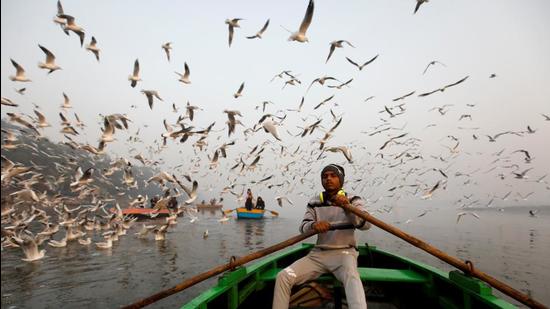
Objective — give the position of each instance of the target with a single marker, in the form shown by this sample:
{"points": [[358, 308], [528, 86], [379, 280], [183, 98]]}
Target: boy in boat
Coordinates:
{"points": [[249, 198], [260, 204], [335, 250]]}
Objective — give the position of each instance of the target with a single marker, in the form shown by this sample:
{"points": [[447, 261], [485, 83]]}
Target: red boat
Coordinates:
{"points": [[144, 212]]}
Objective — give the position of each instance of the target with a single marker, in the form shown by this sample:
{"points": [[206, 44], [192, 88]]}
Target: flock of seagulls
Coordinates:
{"points": [[67, 200]]}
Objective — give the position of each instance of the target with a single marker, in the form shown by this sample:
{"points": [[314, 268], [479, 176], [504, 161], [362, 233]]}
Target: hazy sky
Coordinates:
{"points": [[472, 38]]}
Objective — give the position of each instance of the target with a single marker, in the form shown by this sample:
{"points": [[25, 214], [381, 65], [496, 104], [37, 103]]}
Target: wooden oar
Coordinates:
{"points": [[221, 268], [465, 267], [273, 212], [229, 211]]}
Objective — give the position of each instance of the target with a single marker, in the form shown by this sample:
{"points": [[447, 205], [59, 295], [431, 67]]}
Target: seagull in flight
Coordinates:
{"points": [[167, 47], [360, 67], [271, 127], [19, 74], [341, 85], [50, 61], [280, 200], [344, 150], [404, 96], [431, 191], [259, 33], [239, 92], [93, 48], [461, 214], [337, 44], [432, 63], [134, 78], [150, 94], [232, 24], [321, 80], [72, 26], [300, 35], [443, 88], [184, 78], [522, 174]]}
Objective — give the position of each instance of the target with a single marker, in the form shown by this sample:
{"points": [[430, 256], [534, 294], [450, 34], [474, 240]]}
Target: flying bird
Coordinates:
{"points": [[259, 33], [280, 200], [184, 78], [337, 44], [60, 20], [232, 24], [30, 248], [72, 26], [134, 78], [323, 102], [404, 96], [300, 35], [344, 150], [42, 122], [443, 88], [461, 214], [93, 48], [150, 94], [50, 61], [66, 102], [341, 85], [270, 127], [19, 73], [239, 92], [429, 194], [432, 63], [192, 193], [321, 81], [167, 47], [8, 102], [360, 67]]}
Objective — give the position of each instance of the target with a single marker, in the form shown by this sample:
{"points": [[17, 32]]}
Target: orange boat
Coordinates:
{"points": [[145, 212]]}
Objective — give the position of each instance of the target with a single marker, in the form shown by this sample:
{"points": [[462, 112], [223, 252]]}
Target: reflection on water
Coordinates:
{"points": [[510, 246], [253, 234]]}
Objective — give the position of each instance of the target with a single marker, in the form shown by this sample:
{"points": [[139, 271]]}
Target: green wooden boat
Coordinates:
{"points": [[390, 281]]}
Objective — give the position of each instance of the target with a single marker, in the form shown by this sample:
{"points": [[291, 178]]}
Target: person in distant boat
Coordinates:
{"points": [[173, 203], [335, 250], [249, 198], [154, 201], [260, 204]]}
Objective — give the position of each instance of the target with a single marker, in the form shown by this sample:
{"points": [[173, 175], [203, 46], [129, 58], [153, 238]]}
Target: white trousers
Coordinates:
{"points": [[342, 263]]}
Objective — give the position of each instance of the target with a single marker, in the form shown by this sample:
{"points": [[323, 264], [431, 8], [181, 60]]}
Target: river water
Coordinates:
{"points": [[511, 245]]}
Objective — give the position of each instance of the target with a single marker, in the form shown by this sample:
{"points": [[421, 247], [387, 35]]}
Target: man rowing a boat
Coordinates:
{"points": [[335, 250]]}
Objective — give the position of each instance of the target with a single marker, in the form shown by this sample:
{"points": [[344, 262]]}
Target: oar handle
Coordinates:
{"points": [[220, 269], [465, 267]]}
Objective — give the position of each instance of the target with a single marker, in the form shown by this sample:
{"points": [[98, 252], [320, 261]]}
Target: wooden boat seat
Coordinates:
{"points": [[366, 274]]}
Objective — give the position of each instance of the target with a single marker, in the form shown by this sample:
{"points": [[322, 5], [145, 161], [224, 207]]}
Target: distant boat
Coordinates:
{"points": [[242, 213], [144, 212]]}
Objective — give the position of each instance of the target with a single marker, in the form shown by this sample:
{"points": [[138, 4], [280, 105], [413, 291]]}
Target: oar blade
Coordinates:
{"points": [[229, 211]]}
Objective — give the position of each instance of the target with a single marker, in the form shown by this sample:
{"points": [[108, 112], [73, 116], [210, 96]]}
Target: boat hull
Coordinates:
{"points": [[242, 213], [144, 212], [389, 281]]}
